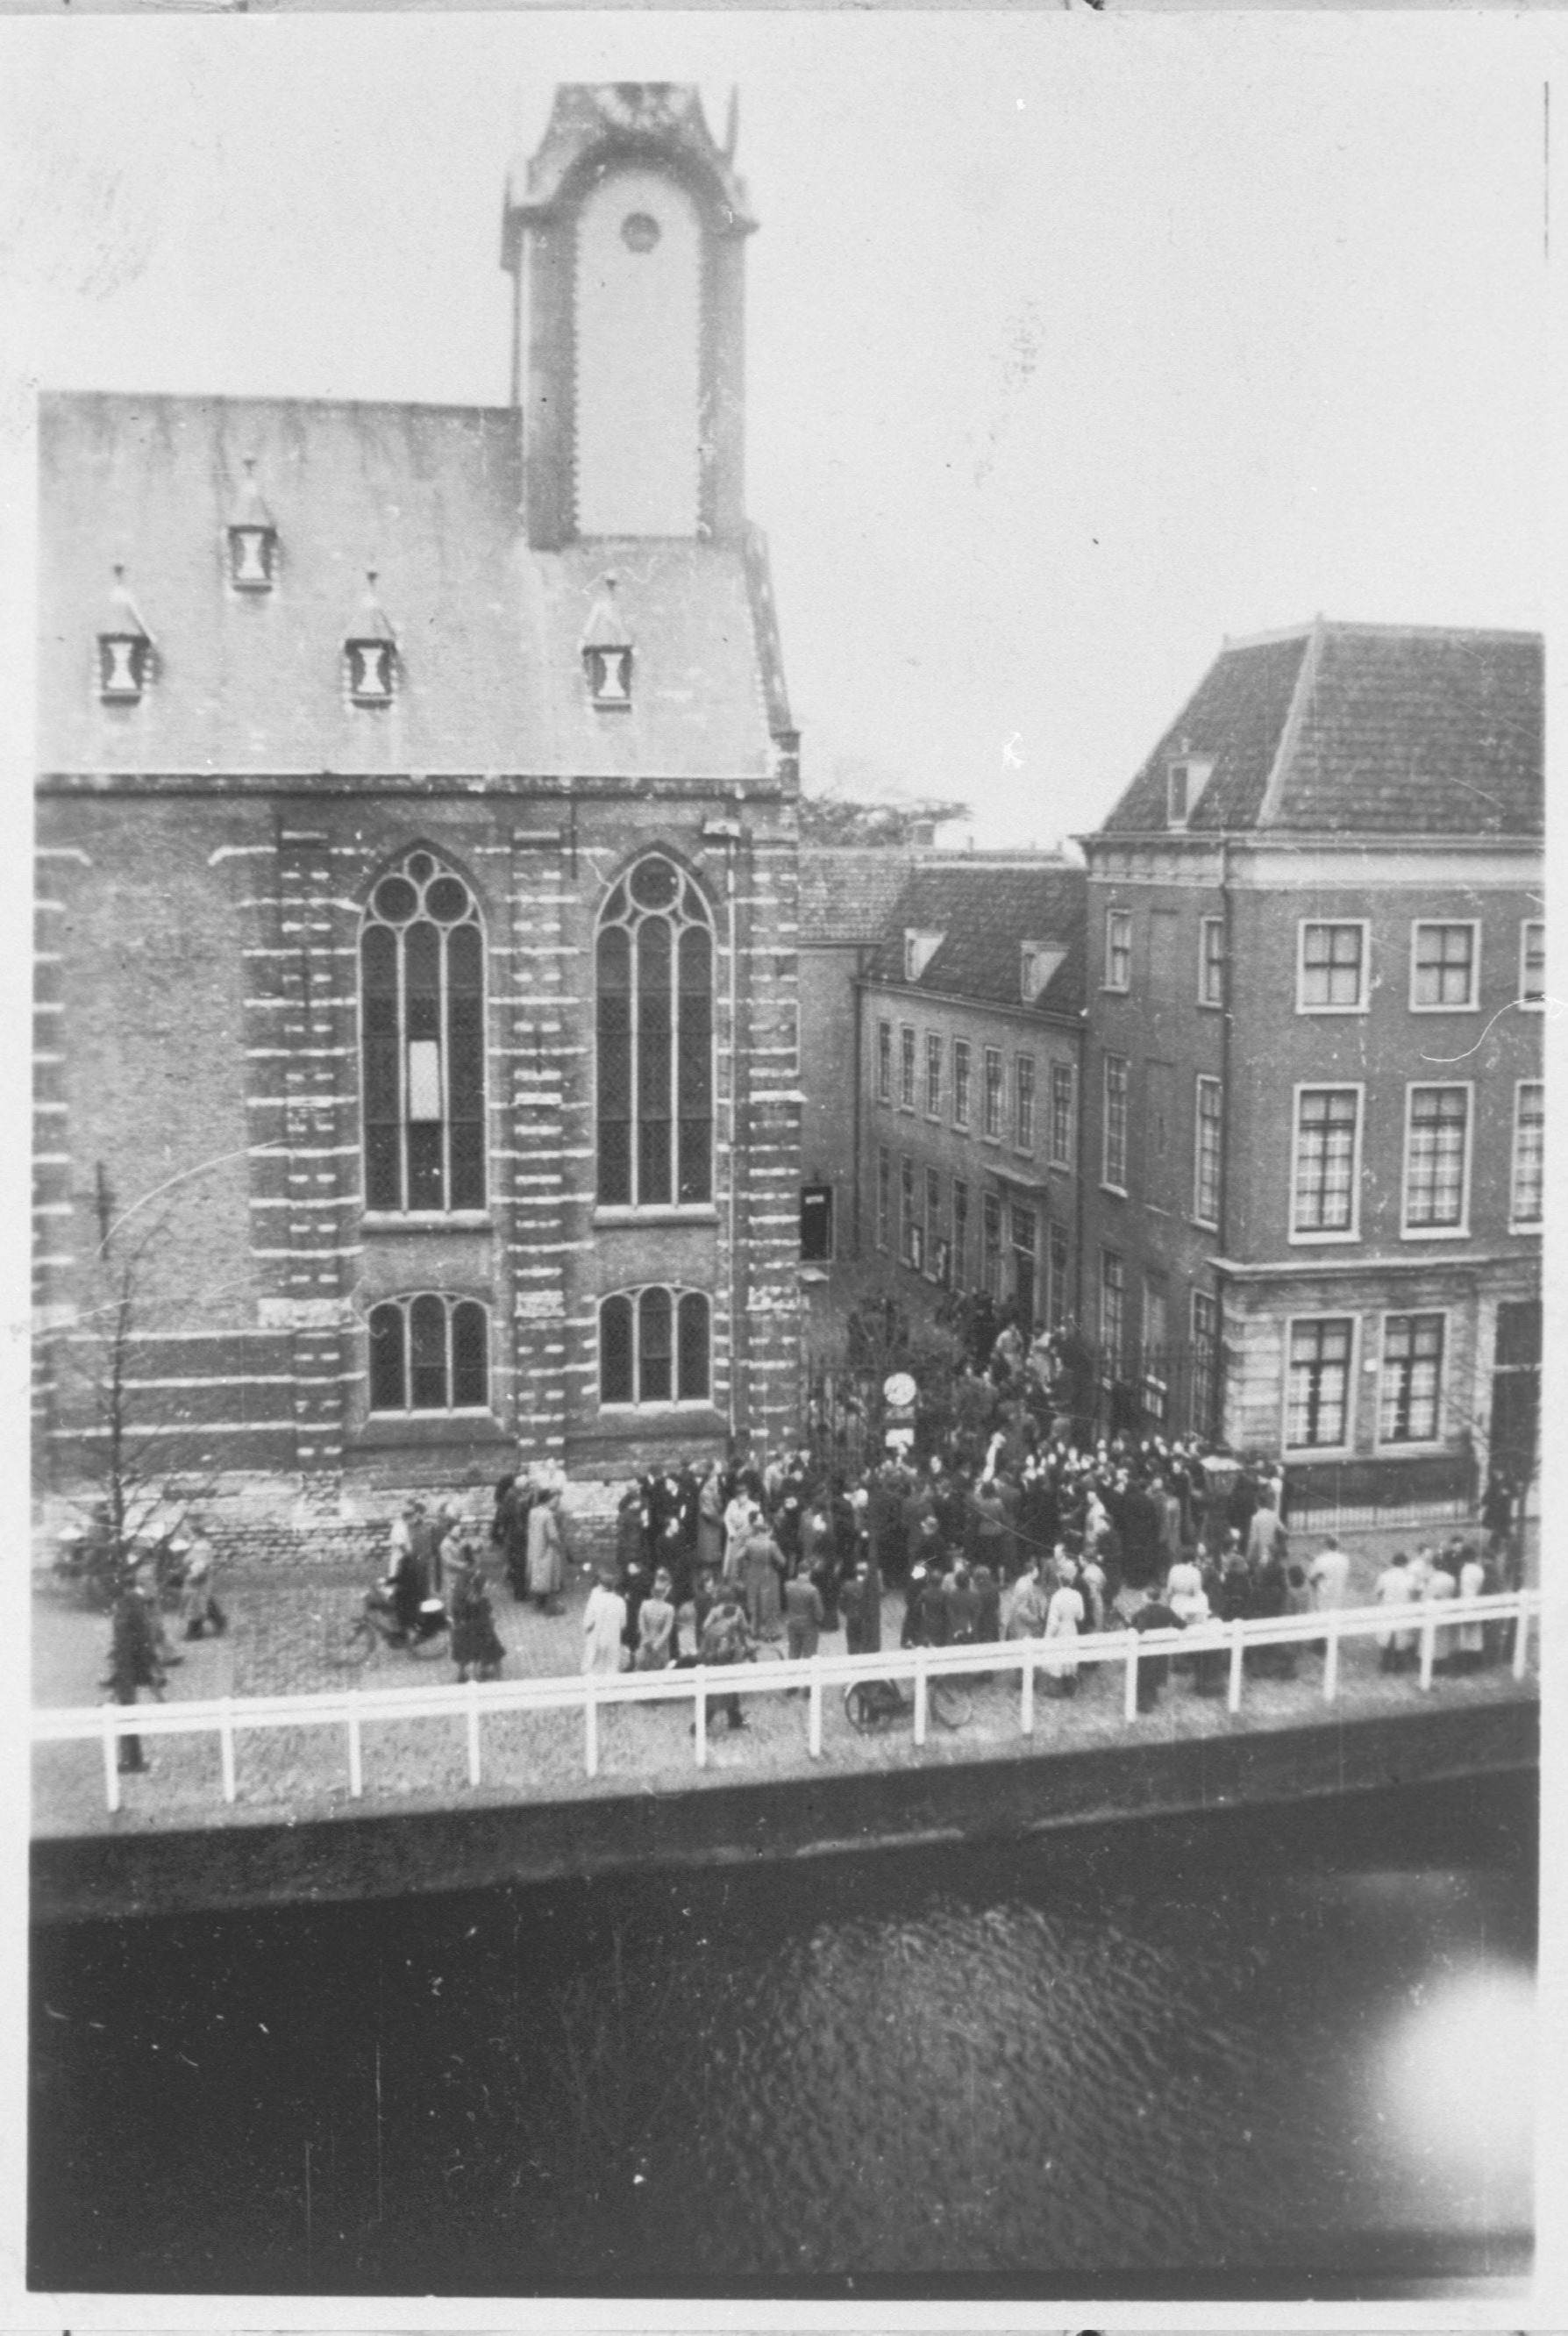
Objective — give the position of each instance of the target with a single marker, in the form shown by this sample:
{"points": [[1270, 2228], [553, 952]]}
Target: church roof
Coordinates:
{"points": [[489, 632], [1368, 729], [985, 913]]}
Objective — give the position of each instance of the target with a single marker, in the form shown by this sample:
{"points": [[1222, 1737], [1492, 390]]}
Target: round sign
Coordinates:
{"points": [[899, 1390]]}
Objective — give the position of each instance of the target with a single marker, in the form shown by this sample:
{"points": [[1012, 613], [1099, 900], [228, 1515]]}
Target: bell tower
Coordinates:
{"points": [[624, 235]]}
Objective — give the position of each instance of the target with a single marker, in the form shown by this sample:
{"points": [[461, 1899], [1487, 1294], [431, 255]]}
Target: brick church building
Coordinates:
{"points": [[417, 1014]]}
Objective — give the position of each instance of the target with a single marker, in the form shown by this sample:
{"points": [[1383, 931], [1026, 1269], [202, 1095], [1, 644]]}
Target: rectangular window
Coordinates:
{"points": [[816, 1224], [991, 1229], [991, 1127], [1114, 1169], [1410, 1399], [1205, 1360], [960, 1083], [935, 1245], [933, 1074], [1061, 1114], [909, 1244], [1056, 1301], [1156, 1388], [1318, 1387], [1206, 1155], [1211, 961], [1118, 949], [959, 1234], [1331, 968], [1024, 1102], [885, 1062], [1443, 966], [1323, 1189], [884, 1197], [907, 1068], [1436, 1159], [1529, 1153], [1112, 1308], [1533, 962]]}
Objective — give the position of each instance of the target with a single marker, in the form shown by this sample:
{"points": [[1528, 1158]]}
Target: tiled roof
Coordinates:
{"points": [[489, 632], [847, 891], [1372, 729], [985, 913]]}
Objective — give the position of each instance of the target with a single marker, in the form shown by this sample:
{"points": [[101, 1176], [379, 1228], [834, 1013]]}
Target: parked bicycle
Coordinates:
{"points": [[377, 1625], [871, 1706]]}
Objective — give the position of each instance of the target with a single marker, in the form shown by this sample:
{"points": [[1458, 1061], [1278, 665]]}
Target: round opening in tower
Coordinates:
{"points": [[639, 231]]}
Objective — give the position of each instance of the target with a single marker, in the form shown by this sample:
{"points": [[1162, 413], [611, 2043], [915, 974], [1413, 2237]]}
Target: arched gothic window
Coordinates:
{"points": [[655, 1033], [654, 1348], [422, 1041], [429, 1353]]}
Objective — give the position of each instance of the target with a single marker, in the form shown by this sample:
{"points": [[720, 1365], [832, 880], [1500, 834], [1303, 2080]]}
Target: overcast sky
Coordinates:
{"points": [[1074, 342]]}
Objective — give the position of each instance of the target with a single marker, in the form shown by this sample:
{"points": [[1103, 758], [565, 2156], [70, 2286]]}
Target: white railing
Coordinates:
{"points": [[352, 1708]]}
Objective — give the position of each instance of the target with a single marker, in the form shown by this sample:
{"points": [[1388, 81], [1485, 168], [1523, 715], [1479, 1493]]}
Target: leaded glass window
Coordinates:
{"points": [[655, 1041], [422, 1041]]}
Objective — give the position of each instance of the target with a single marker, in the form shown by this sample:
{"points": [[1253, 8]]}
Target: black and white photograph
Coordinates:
{"points": [[788, 1160]]}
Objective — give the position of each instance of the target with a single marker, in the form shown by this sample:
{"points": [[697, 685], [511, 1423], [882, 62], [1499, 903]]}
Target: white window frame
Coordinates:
{"points": [[1119, 918], [1107, 1059], [1308, 924], [1528, 925], [1352, 1381], [1461, 1232], [1313, 1239], [909, 1067], [990, 1092], [935, 1050], [1021, 1142], [1209, 1079], [1213, 1005], [1195, 1298], [1525, 1224], [883, 1060], [962, 1089], [1062, 1159], [1423, 924], [1394, 1443]]}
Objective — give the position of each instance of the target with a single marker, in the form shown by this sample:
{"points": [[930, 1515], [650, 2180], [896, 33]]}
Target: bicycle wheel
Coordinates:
{"points": [[353, 1645], [953, 1705], [859, 1707]]}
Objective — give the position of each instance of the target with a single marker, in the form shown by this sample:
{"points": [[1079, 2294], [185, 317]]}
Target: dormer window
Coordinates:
{"points": [[1037, 960], [369, 651], [124, 648], [252, 538], [608, 653], [919, 949], [1187, 777]]}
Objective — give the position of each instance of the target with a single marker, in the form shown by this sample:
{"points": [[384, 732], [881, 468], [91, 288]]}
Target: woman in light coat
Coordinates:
{"points": [[1063, 1621], [547, 1555], [603, 1620]]}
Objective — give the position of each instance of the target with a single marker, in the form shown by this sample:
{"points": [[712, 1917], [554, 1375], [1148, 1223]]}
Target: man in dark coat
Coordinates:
{"points": [[1152, 1671], [132, 1659], [860, 1600]]}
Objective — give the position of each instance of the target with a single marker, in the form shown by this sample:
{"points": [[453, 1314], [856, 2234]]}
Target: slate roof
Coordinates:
{"points": [[848, 891], [985, 912], [488, 630], [1369, 729]]}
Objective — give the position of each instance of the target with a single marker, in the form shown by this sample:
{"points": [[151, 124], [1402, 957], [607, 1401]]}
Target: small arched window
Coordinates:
{"points": [[655, 1033], [422, 1041], [654, 1348], [429, 1353]]}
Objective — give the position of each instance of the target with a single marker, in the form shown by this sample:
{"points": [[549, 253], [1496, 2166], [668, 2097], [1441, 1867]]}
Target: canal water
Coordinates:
{"points": [[1250, 2054]]}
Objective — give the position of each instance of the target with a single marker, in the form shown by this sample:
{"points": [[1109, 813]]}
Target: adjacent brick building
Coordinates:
{"points": [[972, 1030], [418, 883], [1313, 1110]]}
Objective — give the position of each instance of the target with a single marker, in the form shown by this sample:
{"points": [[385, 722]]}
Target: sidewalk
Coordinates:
{"points": [[278, 1642]]}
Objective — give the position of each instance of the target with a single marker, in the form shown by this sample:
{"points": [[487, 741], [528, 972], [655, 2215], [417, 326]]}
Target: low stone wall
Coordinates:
{"points": [[88, 1877]]}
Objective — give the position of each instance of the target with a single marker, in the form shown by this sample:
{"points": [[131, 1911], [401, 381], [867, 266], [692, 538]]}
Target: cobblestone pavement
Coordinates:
{"points": [[281, 1641]]}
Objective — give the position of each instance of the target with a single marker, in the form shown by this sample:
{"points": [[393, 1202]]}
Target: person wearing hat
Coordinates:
{"points": [[725, 1641], [475, 1647], [134, 1660], [547, 1554]]}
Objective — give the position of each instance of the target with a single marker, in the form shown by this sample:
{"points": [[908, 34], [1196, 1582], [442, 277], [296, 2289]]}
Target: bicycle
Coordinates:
{"points": [[376, 1625], [871, 1706]]}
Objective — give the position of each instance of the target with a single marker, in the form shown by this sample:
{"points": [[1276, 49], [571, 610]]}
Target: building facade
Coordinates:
{"points": [[1313, 1111], [416, 990], [971, 1031]]}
